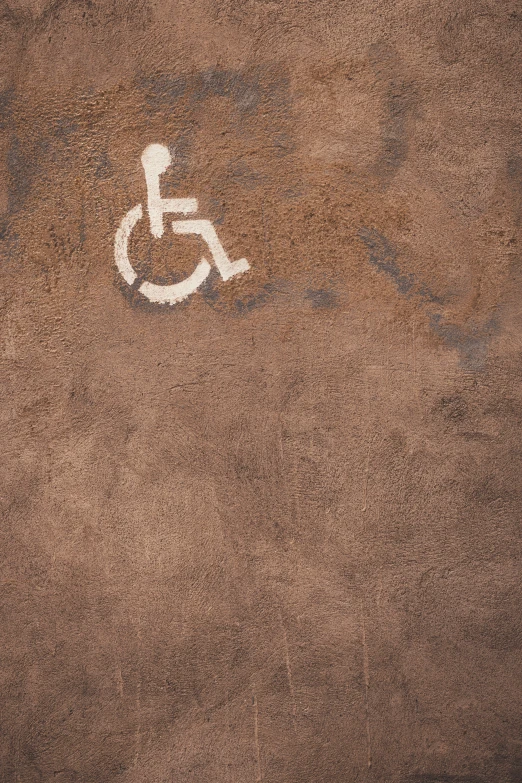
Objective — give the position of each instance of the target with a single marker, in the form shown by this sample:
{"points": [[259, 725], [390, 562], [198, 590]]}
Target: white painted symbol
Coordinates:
{"points": [[155, 160]]}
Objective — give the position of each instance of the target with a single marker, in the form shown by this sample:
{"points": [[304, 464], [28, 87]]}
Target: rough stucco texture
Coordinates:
{"points": [[269, 534]]}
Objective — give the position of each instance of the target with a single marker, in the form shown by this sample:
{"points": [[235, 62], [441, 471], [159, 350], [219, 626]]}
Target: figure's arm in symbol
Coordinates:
{"points": [[155, 160]]}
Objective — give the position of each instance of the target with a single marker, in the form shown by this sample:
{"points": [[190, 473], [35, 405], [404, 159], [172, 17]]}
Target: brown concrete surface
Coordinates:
{"points": [[270, 534]]}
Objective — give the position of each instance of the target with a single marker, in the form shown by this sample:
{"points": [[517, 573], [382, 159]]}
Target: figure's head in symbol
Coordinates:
{"points": [[156, 159]]}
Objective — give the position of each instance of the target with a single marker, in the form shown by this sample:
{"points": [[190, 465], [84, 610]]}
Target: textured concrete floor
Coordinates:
{"points": [[269, 534]]}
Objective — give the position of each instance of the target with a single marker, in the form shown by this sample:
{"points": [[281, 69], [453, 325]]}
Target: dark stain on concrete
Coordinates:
{"points": [[28, 158], [283, 144], [270, 293], [445, 779], [101, 163], [321, 297], [215, 298], [292, 194], [244, 90], [453, 409], [245, 305], [163, 91], [383, 255], [63, 128], [6, 100], [399, 102], [450, 36], [471, 340], [245, 176], [514, 171], [217, 210], [22, 169]]}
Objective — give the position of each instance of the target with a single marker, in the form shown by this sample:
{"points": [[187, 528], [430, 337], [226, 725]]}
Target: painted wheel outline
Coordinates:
{"points": [[159, 294]]}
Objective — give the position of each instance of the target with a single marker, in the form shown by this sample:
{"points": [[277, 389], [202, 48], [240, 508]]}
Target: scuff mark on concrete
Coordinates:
{"points": [[383, 255], [471, 341]]}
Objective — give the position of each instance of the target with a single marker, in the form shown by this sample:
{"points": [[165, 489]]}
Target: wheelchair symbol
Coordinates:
{"points": [[155, 160]]}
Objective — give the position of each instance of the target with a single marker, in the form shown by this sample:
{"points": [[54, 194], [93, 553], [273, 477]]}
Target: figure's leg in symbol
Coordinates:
{"points": [[227, 268]]}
